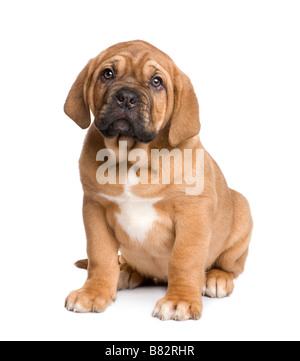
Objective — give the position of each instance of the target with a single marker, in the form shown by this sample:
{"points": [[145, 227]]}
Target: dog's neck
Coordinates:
{"points": [[128, 143]]}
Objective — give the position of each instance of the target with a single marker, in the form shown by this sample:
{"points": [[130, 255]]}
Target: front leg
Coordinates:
{"points": [[103, 269], [183, 299]]}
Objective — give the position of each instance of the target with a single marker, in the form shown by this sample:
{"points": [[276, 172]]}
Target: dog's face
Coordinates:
{"points": [[134, 90], [131, 94]]}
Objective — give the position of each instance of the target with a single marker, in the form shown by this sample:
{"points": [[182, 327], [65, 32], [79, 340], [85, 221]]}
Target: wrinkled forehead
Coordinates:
{"points": [[136, 61]]}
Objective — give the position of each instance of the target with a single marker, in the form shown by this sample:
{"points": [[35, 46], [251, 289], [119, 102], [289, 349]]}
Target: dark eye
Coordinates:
{"points": [[156, 82], [107, 74]]}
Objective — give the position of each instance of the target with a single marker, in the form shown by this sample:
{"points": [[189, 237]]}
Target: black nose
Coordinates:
{"points": [[127, 98]]}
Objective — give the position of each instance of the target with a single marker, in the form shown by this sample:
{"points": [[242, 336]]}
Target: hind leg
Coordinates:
{"points": [[231, 262], [129, 278]]}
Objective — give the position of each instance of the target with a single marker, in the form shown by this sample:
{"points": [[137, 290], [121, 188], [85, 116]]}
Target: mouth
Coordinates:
{"points": [[119, 127], [125, 127]]}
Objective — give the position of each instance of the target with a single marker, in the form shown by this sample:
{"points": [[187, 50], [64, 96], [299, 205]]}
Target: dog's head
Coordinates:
{"points": [[135, 90]]}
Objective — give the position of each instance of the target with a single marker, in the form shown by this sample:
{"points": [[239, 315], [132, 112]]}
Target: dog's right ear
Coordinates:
{"points": [[76, 106]]}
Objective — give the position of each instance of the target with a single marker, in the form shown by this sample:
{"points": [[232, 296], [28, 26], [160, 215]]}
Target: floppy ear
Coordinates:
{"points": [[185, 122], [76, 106]]}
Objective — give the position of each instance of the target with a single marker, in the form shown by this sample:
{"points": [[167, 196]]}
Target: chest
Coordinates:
{"points": [[144, 229], [136, 216]]}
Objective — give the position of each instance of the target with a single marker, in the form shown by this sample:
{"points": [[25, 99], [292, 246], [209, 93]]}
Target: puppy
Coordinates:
{"points": [[195, 239]]}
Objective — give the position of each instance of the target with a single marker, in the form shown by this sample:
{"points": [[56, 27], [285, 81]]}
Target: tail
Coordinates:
{"points": [[83, 264]]}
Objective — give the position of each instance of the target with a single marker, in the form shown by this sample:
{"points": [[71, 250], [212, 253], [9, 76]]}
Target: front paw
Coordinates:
{"points": [[88, 300], [168, 309]]}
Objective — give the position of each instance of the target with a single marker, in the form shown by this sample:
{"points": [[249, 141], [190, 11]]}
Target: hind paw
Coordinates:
{"points": [[219, 284]]}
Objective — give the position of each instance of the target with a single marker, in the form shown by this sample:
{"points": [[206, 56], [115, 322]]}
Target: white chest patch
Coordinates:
{"points": [[137, 214]]}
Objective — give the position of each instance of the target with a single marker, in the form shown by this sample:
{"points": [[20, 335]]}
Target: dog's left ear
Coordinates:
{"points": [[185, 121], [76, 106]]}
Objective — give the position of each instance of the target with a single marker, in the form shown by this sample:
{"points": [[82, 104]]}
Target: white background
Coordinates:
{"points": [[244, 60]]}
